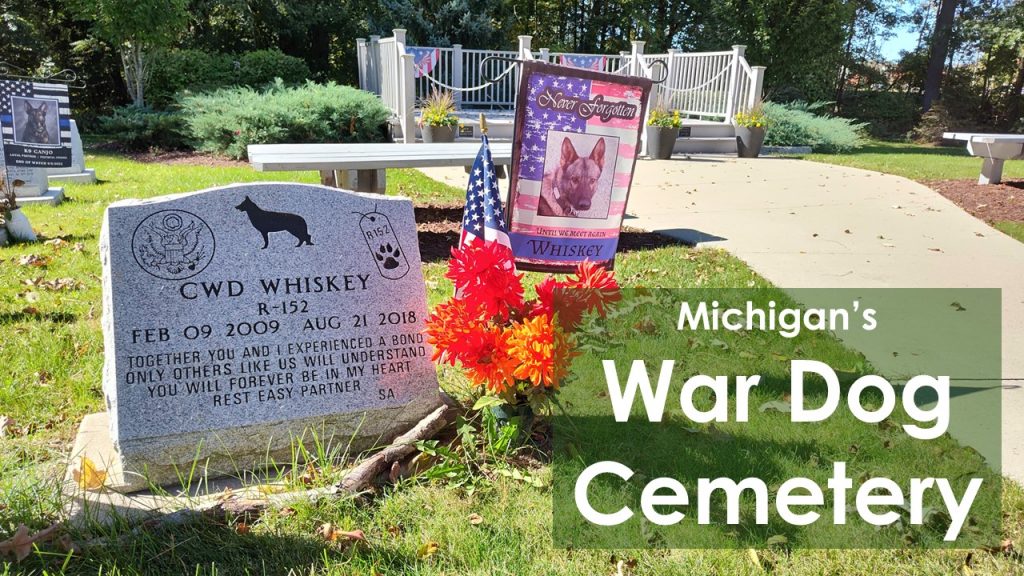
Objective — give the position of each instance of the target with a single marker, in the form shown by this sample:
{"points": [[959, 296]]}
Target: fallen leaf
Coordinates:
{"points": [[88, 476], [242, 528], [286, 512], [427, 549], [66, 544], [33, 260], [6, 426], [20, 545], [476, 519], [310, 475]]}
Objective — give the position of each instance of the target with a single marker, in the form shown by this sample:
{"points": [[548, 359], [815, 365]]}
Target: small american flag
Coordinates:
{"points": [[483, 218]]}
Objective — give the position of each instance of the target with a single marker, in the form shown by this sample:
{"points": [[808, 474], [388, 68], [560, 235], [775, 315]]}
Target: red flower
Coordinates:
{"points": [[595, 287], [485, 276]]}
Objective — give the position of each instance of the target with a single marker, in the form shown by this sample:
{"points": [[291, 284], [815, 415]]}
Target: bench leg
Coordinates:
{"points": [[991, 171], [329, 178]]}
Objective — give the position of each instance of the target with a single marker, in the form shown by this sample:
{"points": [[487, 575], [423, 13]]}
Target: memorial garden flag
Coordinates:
{"points": [[35, 120], [424, 60], [577, 137], [584, 61], [483, 218]]}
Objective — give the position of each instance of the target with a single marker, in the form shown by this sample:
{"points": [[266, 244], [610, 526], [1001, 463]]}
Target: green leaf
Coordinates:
{"points": [[487, 402]]}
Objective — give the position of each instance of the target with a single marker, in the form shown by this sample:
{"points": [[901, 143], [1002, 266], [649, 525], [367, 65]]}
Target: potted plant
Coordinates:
{"points": [[750, 129], [514, 350], [438, 121], [662, 131], [17, 225]]}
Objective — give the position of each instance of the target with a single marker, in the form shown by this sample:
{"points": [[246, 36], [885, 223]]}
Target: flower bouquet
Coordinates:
{"points": [[517, 351]]}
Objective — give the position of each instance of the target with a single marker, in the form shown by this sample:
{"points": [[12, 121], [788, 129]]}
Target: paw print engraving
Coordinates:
{"points": [[388, 256]]}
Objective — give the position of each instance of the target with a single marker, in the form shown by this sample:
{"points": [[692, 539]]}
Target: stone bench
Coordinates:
{"points": [[994, 150], [361, 167]]}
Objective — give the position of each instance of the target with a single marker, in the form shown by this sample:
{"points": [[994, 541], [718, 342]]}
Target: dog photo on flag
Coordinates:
{"points": [[576, 142], [35, 119]]}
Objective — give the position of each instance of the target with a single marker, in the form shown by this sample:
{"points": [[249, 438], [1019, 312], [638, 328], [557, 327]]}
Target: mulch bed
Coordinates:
{"points": [[991, 203], [184, 157], [439, 225]]}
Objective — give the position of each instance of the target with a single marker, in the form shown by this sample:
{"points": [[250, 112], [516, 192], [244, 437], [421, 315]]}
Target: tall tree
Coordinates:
{"points": [[135, 28], [938, 51]]}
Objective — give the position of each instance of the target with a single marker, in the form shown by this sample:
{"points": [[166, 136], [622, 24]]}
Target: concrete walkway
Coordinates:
{"points": [[810, 225]]}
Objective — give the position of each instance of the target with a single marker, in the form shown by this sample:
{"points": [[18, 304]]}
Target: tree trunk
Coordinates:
{"points": [[134, 62], [938, 52]]}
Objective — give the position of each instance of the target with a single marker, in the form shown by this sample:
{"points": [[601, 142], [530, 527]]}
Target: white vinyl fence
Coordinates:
{"points": [[712, 86]]}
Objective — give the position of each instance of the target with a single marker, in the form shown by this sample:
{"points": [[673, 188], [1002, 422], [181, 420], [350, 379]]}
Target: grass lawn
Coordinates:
{"points": [[51, 357], [916, 161], [1012, 229]]}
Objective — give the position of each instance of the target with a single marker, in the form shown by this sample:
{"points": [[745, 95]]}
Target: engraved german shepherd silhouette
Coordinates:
{"points": [[35, 129], [266, 222]]}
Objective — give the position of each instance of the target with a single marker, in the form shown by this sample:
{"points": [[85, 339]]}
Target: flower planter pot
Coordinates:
{"points": [[19, 228], [749, 141], [432, 134], [661, 142]]}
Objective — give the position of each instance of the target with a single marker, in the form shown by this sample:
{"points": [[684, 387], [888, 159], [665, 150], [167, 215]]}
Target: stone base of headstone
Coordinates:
{"points": [[86, 177], [121, 500], [171, 460], [51, 197]]}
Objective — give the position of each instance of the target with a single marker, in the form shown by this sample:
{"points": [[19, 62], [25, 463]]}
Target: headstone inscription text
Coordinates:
{"points": [[238, 316]]}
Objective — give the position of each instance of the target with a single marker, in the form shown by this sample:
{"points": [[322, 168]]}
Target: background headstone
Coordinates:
{"points": [[239, 318], [77, 172], [36, 187]]}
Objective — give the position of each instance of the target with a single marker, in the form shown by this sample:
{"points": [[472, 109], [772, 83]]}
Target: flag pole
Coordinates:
{"points": [[483, 125]]}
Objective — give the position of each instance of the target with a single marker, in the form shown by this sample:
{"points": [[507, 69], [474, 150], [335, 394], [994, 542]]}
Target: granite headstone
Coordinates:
{"points": [[34, 185], [77, 172], [239, 318]]}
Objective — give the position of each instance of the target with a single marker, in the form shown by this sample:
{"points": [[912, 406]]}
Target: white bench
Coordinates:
{"points": [[361, 167], [994, 149]]}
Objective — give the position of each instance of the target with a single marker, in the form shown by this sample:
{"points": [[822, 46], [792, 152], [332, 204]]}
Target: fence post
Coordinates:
{"points": [[734, 76], [672, 76], [373, 69], [524, 47], [757, 85], [457, 73], [361, 56], [407, 93], [636, 67], [545, 55]]}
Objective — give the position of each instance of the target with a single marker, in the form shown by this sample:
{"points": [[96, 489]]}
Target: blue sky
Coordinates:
{"points": [[903, 40]]}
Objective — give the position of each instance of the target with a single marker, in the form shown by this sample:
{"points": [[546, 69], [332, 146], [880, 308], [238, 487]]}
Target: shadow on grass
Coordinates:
{"points": [[897, 148], [212, 546], [23, 316]]}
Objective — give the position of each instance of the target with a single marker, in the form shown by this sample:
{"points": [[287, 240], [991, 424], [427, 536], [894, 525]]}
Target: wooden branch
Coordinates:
{"points": [[363, 474]]}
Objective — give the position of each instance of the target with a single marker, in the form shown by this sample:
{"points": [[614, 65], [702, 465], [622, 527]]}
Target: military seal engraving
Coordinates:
{"points": [[173, 244]]}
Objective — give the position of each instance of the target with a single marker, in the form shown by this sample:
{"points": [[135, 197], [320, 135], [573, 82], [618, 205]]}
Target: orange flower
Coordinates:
{"points": [[448, 326], [541, 351]]}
